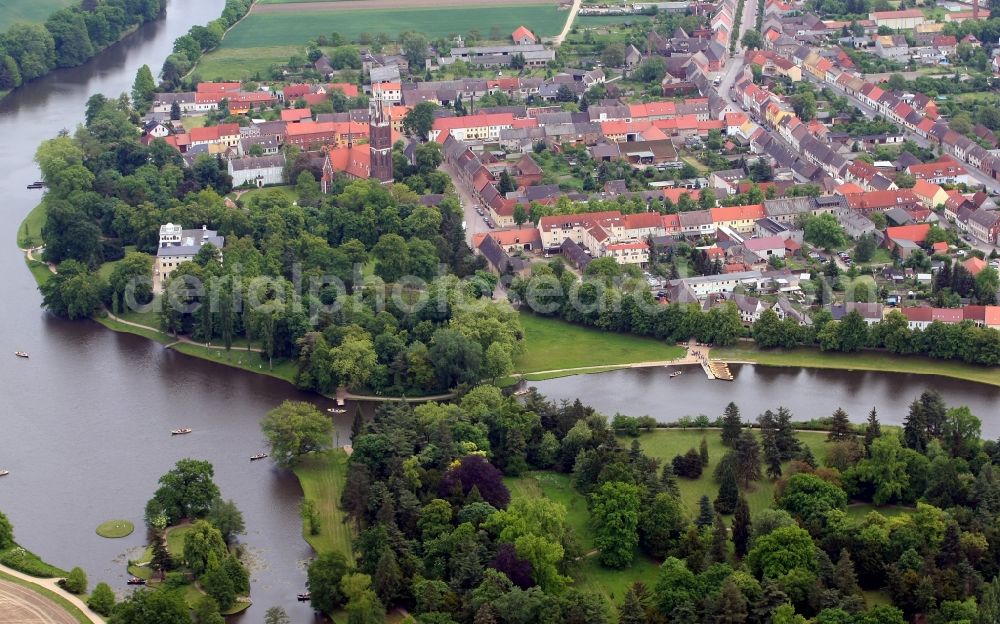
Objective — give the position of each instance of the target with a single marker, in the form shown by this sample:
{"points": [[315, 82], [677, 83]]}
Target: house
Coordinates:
{"points": [[258, 170], [750, 308], [906, 19], [767, 247], [985, 225], [930, 194], [871, 312], [974, 265], [922, 317], [177, 246], [944, 170], [516, 239], [499, 261], [523, 36], [906, 239]]}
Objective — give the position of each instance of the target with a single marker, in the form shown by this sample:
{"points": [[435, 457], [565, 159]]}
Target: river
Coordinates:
{"points": [[84, 424], [808, 393]]}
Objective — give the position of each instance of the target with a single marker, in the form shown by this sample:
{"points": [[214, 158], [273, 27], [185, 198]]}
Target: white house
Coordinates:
{"points": [[258, 170]]}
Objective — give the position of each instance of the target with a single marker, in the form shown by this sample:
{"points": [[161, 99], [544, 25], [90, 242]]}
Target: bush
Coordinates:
{"points": [[688, 465], [29, 563], [6, 533], [75, 582], [102, 600]]}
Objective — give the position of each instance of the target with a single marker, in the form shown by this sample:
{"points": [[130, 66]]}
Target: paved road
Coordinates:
{"points": [[474, 223], [980, 177]]}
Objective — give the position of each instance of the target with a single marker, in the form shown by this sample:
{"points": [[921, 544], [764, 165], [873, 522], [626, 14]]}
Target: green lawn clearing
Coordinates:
{"points": [[175, 540], [113, 529], [868, 360], [551, 344], [558, 487], [591, 576], [665, 444], [322, 477], [245, 63], [247, 360], [29, 233]]}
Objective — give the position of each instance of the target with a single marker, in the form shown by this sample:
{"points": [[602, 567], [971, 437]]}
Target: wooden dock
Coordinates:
{"points": [[720, 370]]}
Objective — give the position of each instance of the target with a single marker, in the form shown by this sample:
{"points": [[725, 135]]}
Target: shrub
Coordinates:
{"points": [[688, 465], [76, 581], [102, 600]]}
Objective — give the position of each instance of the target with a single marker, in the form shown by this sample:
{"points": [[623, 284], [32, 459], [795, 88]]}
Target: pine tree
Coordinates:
{"points": [[729, 492], [732, 604], [720, 541], [358, 423], [788, 443], [668, 480], [806, 456], [989, 606], [705, 514], [840, 427], [703, 451], [731, 425], [873, 429], [631, 611], [161, 561], [747, 459], [485, 615], [844, 575], [741, 528], [772, 458]]}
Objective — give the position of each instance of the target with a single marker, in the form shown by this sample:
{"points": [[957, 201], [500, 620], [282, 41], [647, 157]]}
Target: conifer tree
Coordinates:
{"points": [[873, 429], [729, 492], [840, 427], [741, 528], [631, 611], [668, 480], [705, 514], [844, 575], [703, 451], [720, 541], [731, 425]]}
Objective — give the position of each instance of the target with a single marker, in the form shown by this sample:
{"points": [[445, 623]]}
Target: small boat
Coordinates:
{"points": [[304, 597], [4, 473], [135, 580], [21, 354], [336, 410], [36, 185], [258, 456], [675, 374], [180, 431]]}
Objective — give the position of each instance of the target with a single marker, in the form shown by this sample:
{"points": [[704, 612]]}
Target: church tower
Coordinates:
{"points": [[380, 142]]}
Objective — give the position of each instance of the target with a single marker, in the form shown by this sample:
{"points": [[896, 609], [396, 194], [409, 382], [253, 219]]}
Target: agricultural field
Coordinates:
{"points": [[29, 11], [274, 32]]}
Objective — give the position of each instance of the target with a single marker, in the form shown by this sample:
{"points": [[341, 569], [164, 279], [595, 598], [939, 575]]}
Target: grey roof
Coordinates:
{"points": [[191, 243], [258, 162]]}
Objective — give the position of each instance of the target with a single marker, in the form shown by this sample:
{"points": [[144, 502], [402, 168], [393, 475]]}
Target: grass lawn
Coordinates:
{"points": [[588, 573], [152, 334], [29, 11], [664, 444], [558, 487], [552, 344], [140, 567], [244, 63], [70, 608], [105, 269], [115, 528], [150, 317], [871, 360], [175, 540], [857, 511], [39, 270], [287, 191], [322, 477], [262, 30], [247, 360], [29, 233]]}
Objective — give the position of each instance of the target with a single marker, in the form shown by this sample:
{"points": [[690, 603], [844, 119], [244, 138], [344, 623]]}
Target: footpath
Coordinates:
{"points": [[53, 586]]}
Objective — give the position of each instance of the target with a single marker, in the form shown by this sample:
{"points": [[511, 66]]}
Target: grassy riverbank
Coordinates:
{"points": [[27, 562], [867, 360], [552, 345], [322, 477], [48, 594]]}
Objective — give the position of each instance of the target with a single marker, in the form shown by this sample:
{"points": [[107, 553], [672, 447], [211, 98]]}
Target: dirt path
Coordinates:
{"points": [[569, 23], [353, 5], [24, 606]]}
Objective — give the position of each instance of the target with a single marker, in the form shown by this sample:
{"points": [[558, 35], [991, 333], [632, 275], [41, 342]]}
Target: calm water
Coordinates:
{"points": [[808, 393], [84, 424]]}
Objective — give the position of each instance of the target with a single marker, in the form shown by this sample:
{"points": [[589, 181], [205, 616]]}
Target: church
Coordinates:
{"points": [[364, 161]]}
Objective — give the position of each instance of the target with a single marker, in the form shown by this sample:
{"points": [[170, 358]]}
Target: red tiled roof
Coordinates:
{"points": [[916, 233]]}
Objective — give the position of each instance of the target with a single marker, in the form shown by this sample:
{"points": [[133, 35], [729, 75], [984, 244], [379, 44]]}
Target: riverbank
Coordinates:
{"points": [[865, 360], [322, 477]]}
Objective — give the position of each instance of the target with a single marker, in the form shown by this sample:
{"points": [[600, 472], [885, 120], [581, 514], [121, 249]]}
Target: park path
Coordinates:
{"points": [[53, 586], [179, 339], [695, 355], [569, 23]]}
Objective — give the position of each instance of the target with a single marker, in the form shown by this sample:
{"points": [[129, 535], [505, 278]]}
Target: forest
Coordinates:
{"points": [[69, 37], [440, 534]]}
